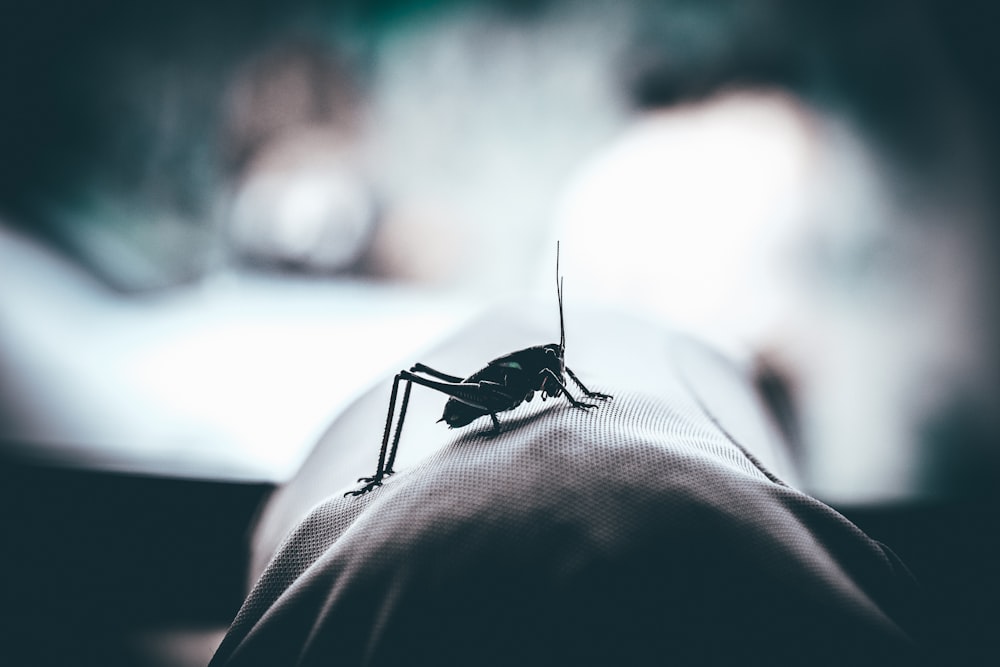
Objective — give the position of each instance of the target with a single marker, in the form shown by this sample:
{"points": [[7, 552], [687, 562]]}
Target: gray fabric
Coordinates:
{"points": [[644, 530]]}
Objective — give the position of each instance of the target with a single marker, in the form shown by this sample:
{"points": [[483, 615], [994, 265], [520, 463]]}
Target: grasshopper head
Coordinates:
{"points": [[554, 361]]}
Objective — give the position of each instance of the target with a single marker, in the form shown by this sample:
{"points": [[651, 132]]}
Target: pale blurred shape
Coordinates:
{"points": [[304, 202], [681, 214], [776, 232]]}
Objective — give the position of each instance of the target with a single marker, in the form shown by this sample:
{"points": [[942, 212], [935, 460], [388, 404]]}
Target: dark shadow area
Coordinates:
{"points": [[92, 559], [952, 548]]}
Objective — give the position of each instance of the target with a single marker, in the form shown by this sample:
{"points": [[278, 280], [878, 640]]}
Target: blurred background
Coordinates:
{"points": [[221, 221]]}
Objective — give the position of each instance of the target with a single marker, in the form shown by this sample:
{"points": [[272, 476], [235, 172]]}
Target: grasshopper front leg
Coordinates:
{"points": [[550, 375], [590, 394]]}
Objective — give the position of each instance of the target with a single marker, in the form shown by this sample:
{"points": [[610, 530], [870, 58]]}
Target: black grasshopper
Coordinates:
{"points": [[502, 385]]}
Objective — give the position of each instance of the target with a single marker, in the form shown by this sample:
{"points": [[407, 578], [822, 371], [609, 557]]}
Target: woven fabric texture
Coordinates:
{"points": [[639, 531]]}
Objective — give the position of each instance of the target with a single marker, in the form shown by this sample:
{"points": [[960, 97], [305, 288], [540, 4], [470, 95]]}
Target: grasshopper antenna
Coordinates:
{"points": [[559, 295]]}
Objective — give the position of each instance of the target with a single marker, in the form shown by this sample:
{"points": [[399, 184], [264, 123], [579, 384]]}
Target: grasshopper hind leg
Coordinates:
{"points": [[478, 395], [384, 468]]}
